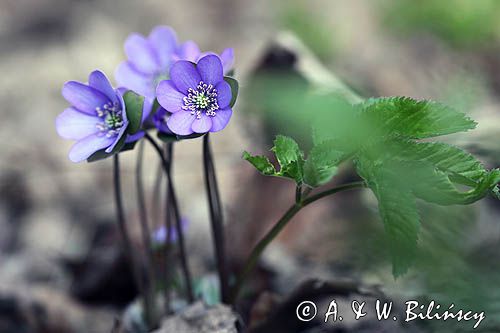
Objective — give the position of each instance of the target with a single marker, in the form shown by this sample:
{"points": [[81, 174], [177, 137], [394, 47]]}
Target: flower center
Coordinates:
{"points": [[203, 99], [111, 119]]}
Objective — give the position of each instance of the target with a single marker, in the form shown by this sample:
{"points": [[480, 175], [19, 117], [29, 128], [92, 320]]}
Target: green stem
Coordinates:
{"points": [[277, 228], [331, 191]]}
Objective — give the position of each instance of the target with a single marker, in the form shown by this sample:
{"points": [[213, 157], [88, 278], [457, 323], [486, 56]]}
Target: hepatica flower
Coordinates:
{"points": [[197, 96], [96, 119], [160, 119], [159, 236], [150, 59], [191, 52]]}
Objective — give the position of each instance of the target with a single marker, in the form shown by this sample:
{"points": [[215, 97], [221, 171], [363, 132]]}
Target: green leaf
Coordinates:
{"points": [[401, 223], [410, 118], [290, 158], [134, 104], [234, 89], [101, 154], [446, 158], [433, 185], [398, 211], [294, 171], [433, 169], [287, 150], [321, 164], [436, 187], [261, 163], [167, 138], [496, 192]]}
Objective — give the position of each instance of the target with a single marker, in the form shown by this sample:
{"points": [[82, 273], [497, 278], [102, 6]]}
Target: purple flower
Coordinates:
{"points": [[160, 235], [191, 52], [150, 59], [197, 97], [96, 119], [160, 119]]}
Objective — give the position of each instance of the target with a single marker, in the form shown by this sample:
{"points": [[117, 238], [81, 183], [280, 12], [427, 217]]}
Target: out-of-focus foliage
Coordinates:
{"points": [[462, 23], [446, 252], [297, 17], [381, 136]]}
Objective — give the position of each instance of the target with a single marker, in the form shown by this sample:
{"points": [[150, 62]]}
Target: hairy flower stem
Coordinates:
{"points": [[177, 218], [122, 226], [277, 228], [157, 194], [168, 229], [150, 285], [216, 218]]}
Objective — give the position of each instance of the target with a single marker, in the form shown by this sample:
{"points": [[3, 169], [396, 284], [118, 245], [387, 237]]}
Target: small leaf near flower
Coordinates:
{"points": [[234, 89], [101, 154], [133, 105]]}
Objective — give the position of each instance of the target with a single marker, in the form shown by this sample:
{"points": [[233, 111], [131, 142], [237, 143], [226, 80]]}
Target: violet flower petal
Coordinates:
{"points": [[189, 51], [82, 149], [127, 76], [84, 98], [75, 125], [227, 59], [160, 120], [224, 94], [169, 97], [147, 107], [184, 75], [181, 122], [164, 41], [99, 81], [134, 137], [140, 51], [202, 125], [210, 69], [220, 121]]}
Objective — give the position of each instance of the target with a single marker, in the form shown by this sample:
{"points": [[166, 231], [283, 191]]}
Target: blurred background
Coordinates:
{"points": [[60, 267]]}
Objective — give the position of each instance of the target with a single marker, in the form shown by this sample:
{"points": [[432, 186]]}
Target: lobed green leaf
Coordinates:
{"points": [[398, 211], [414, 119], [449, 159], [322, 163], [261, 163], [290, 158]]}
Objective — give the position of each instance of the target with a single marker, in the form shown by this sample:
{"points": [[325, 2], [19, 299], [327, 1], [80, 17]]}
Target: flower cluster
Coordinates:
{"points": [[182, 91]]}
